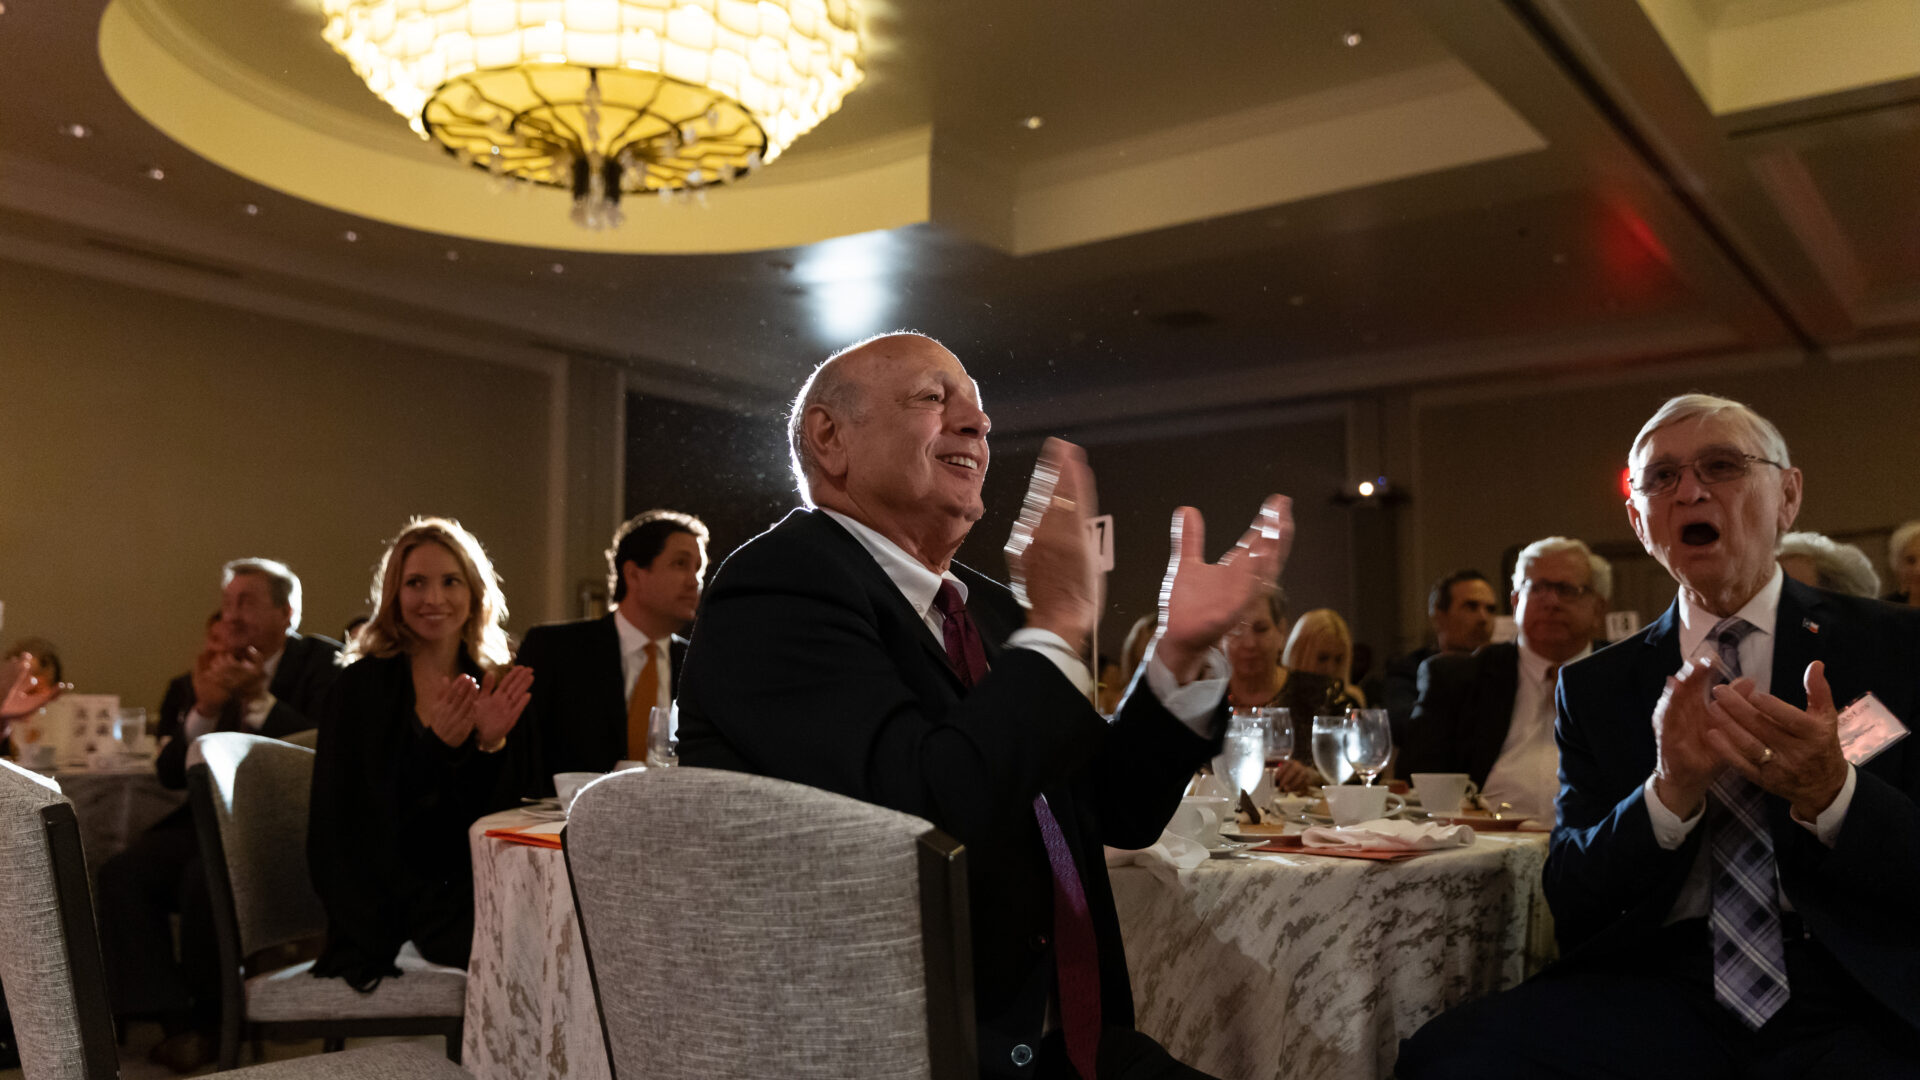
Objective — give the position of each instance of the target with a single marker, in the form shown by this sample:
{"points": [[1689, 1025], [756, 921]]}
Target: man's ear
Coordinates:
{"points": [[1639, 525], [1790, 491], [827, 437], [630, 573]]}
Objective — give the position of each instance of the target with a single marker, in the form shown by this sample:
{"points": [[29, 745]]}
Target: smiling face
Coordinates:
{"points": [[1716, 540], [911, 459], [435, 598]]}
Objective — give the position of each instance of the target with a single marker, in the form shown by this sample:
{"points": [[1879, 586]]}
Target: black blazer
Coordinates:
{"points": [[387, 824], [1611, 885], [308, 665], [1463, 713], [808, 665], [577, 718]]}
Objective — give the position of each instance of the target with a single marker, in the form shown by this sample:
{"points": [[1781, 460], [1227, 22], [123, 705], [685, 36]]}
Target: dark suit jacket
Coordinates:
{"points": [[1400, 686], [308, 665], [1610, 883], [577, 718], [808, 665], [1464, 711]]}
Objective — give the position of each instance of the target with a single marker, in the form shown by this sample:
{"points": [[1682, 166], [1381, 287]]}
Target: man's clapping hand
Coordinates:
{"points": [[1201, 601], [1049, 555]]}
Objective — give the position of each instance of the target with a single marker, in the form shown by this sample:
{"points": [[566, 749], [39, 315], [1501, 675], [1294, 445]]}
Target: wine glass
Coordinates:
{"points": [[1279, 734], [1330, 748], [1244, 753], [1369, 742]]}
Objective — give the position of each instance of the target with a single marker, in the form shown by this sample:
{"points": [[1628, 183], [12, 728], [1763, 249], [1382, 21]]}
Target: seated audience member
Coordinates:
{"points": [[1322, 645], [39, 682], [598, 679], [845, 648], [1812, 559], [1255, 676], [1733, 898], [1460, 608], [409, 757], [254, 673], [1489, 714], [1903, 558]]}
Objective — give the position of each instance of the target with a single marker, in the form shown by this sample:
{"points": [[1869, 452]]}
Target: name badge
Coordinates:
{"points": [[1866, 728]]}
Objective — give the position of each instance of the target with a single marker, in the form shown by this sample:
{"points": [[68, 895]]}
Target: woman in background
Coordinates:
{"points": [[411, 735], [1321, 644], [1255, 676]]}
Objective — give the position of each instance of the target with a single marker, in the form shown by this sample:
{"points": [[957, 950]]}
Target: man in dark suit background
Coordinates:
{"points": [[1489, 713], [596, 680], [845, 649], [1460, 607], [256, 674], [1733, 896]]}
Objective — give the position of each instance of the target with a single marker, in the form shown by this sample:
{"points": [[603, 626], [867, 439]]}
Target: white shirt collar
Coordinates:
{"points": [[915, 582], [1763, 611], [1533, 666], [632, 638]]}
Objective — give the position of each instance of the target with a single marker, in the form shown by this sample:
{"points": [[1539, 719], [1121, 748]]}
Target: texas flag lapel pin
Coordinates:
{"points": [[1810, 626]]}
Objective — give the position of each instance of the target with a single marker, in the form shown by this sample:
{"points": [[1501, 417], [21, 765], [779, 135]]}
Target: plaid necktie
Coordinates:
{"points": [[1749, 950], [1076, 956]]}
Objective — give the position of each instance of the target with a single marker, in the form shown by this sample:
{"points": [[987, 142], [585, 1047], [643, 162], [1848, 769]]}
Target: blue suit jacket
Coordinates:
{"points": [[1610, 883]]}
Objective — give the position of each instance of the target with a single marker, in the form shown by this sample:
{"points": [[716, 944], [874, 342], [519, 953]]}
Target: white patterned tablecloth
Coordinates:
{"points": [[530, 1003], [1311, 968]]}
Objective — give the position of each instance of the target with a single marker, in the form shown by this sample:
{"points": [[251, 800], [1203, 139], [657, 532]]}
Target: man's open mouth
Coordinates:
{"points": [[1698, 534]]}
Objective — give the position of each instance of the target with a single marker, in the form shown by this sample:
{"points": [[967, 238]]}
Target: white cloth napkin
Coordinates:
{"points": [[1386, 834], [1168, 856]]}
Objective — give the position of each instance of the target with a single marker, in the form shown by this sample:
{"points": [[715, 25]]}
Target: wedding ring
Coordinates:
{"points": [[1063, 503], [1766, 754]]}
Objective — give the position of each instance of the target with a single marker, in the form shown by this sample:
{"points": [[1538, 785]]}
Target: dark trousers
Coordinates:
{"points": [[157, 876], [1124, 1054], [1652, 1014]]}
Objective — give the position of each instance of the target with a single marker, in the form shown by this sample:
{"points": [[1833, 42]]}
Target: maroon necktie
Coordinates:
{"points": [[1076, 959]]}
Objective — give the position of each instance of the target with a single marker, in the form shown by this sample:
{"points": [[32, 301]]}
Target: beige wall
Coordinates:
{"points": [[145, 439], [1508, 465]]}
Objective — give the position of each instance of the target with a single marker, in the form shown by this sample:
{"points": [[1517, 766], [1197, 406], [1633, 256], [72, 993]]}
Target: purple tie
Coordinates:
{"points": [[1749, 951], [1076, 958]]}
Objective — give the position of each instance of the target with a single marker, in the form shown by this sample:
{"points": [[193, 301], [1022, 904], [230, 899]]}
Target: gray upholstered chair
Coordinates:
{"points": [[249, 797], [738, 926], [51, 967]]}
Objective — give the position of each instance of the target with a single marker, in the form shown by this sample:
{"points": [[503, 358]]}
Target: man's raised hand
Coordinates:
{"points": [[1049, 555], [1201, 601]]}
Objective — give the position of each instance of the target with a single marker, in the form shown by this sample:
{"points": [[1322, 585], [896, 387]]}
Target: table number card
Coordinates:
{"points": [[1868, 727], [1100, 532]]}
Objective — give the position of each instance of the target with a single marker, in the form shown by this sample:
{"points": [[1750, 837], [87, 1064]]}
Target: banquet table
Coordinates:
{"points": [[531, 1012], [112, 806], [1312, 967]]}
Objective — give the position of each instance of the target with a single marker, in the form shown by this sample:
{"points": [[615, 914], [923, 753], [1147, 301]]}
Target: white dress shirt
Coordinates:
{"points": [[1527, 772], [1192, 704], [1756, 663], [635, 646]]}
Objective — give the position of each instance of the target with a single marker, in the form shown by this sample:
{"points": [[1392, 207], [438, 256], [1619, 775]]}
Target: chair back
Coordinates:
{"points": [[249, 799], [739, 926], [49, 948]]}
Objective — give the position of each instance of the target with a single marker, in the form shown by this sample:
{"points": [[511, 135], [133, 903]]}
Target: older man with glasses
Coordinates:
{"points": [[1489, 713], [1733, 896]]}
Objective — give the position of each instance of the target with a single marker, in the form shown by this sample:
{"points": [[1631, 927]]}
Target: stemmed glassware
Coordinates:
{"points": [[1330, 748], [1244, 755], [1369, 742]]}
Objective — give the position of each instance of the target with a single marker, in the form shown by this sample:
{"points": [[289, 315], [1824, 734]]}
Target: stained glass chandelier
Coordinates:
{"points": [[606, 97]]}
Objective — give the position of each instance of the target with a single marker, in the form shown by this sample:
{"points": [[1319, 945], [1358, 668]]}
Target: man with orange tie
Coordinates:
{"points": [[846, 649], [598, 679]]}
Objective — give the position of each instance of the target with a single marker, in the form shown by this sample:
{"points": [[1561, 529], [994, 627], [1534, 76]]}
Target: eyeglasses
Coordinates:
{"points": [[1713, 467], [1566, 592]]}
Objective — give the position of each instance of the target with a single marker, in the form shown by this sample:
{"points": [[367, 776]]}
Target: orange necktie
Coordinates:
{"points": [[646, 694]]}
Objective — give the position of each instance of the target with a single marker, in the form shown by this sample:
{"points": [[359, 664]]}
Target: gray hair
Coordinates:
{"points": [[1599, 570], [1840, 568], [283, 585], [1897, 545], [828, 388], [1758, 428]]}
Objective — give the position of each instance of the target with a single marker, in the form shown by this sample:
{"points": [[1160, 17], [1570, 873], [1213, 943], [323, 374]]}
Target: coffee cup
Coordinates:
{"points": [[1350, 804], [567, 786], [1199, 818], [1443, 793]]}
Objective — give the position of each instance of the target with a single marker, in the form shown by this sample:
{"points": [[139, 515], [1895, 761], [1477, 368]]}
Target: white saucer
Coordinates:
{"points": [[1392, 811]]}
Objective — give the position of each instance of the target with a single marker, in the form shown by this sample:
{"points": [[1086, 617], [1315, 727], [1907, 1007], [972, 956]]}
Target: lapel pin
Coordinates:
{"points": [[1811, 626]]}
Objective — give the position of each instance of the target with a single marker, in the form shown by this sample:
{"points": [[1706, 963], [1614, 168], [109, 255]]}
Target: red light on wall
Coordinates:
{"points": [[1626, 483]]}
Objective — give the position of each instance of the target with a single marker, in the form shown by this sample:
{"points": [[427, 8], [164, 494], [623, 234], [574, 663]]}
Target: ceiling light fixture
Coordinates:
{"points": [[75, 131], [1351, 39], [1032, 123], [605, 97], [154, 172], [250, 209], [350, 236]]}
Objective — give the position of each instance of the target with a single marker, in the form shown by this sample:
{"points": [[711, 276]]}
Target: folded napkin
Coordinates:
{"points": [[1386, 834], [546, 834], [1168, 856]]}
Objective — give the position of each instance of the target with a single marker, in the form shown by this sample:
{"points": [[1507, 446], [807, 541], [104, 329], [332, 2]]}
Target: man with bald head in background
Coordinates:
{"points": [[1726, 885], [845, 649]]}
